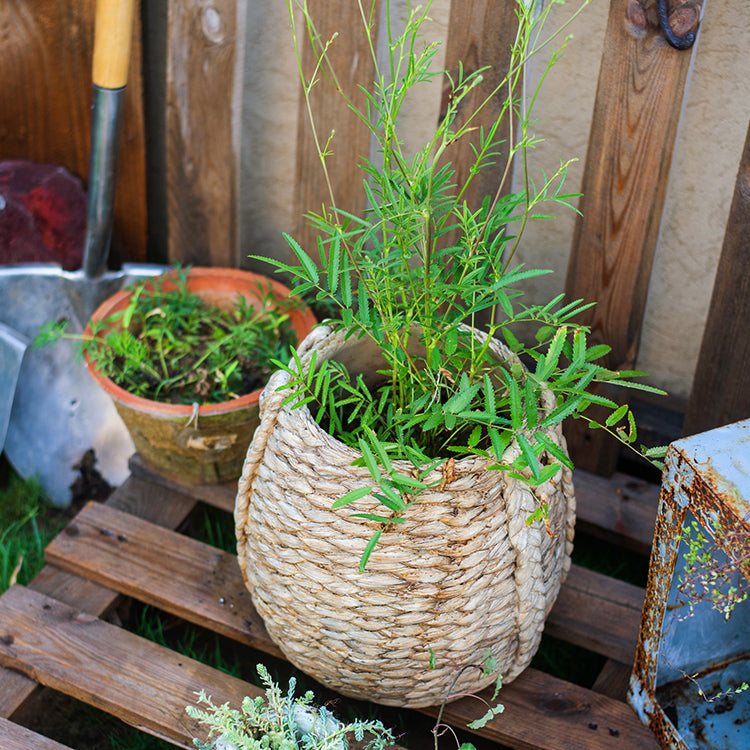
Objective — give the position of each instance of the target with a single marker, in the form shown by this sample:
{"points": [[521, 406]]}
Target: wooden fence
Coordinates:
{"points": [[183, 155]]}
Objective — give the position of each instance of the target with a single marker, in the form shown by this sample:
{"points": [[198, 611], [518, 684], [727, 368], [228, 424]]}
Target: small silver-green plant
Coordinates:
{"points": [[281, 721]]}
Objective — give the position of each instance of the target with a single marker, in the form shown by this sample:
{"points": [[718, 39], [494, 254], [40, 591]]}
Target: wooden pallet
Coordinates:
{"points": [[56, 632]]}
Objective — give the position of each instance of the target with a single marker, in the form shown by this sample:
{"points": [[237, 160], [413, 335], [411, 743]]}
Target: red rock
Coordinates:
{"points": [[42, 214]]}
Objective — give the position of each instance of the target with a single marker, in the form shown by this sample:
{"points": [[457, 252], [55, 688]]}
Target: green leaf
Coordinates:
{"points": [[616, 416], [528, 453], [493, 711], [513, 343], [489, 395], [458, 403], [499, 442], [369, 460], [553, 449], [351, 497], [368, 550], [563, 410], [379, 449], [530, 400], [451, 341], [552, 357], [307, 262], [334, 264], [516, 411], [390, 499]]}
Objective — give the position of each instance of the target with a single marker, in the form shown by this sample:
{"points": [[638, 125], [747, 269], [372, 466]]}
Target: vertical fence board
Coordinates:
{"points": [[636, 116], [480, 34], [720, 393], [352, 61], [201, 121], [46, 91]]}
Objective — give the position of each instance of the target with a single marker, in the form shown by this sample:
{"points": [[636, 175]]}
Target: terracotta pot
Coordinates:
{"points": [[203, 445]]}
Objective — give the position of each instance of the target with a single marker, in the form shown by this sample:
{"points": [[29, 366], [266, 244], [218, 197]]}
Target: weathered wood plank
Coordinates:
{"points": [[148, 686], [203, 47], [16, 737], [204, 585], [353, 64], [183, 576], [620, 508], [480, 34], [46, 91], [142, 683], [613, 680], [544, 713], [219, 495], [720, 394], [147, 500], [636, 116], [598, 613]]}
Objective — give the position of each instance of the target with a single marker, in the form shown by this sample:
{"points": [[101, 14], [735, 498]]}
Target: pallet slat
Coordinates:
{"points": [[140, 682], [148, 686], [16, 737], [204, 585], [150, 501], [542, 712], [183, 576]]}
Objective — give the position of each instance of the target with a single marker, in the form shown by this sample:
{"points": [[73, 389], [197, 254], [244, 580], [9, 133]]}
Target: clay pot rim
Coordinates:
{"points": [[302, 321]]}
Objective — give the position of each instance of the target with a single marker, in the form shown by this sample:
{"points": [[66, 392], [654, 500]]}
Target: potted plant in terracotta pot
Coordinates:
{"points": [[406, 504], [184, 357]]}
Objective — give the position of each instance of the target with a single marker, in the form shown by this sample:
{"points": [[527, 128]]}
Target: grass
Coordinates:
{"points": [[27, 523]]}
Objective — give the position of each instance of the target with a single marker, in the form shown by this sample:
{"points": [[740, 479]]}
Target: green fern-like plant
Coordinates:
{"points": [[420, 265], [170, 346]]}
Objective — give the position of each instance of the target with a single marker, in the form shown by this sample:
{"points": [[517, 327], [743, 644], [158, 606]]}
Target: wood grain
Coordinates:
{"points": [[204, 585], [354, 66], [480, 34], [636, 116], [203, 43], [620, 509], [161, 506], [198, 583], [16, 737], [46, 93], [544, 712], [720, 394], [140, 682]]}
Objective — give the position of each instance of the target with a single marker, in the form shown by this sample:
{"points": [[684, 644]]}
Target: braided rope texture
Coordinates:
{"points": [[464, 576]]}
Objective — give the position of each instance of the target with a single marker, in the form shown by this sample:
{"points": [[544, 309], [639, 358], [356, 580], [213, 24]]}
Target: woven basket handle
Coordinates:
{"points": [[271, 399]]}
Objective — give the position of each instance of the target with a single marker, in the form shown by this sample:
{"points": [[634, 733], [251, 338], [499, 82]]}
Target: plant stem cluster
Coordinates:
{"points": [[169, 345], [421, 269]]}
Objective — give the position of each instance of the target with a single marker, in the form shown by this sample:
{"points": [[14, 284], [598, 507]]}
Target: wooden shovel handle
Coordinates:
{"points": [[113, 33]]}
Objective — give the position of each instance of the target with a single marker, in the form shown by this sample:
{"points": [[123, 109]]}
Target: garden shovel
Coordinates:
{"points": [[58, 414]]}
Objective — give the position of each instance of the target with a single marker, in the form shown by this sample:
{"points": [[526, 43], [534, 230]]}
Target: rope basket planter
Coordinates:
{"points": [[464, 575]]}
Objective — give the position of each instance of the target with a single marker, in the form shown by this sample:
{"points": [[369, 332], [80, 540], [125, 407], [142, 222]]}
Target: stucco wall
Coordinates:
{"points": [[717, 110]]}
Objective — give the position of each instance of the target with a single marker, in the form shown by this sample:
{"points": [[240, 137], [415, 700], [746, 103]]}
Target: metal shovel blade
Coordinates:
{"points": [[58, 412], [12, 348]]}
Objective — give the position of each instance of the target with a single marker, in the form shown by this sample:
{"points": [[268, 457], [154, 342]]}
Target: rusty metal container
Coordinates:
{"points": [[686, 650]]}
